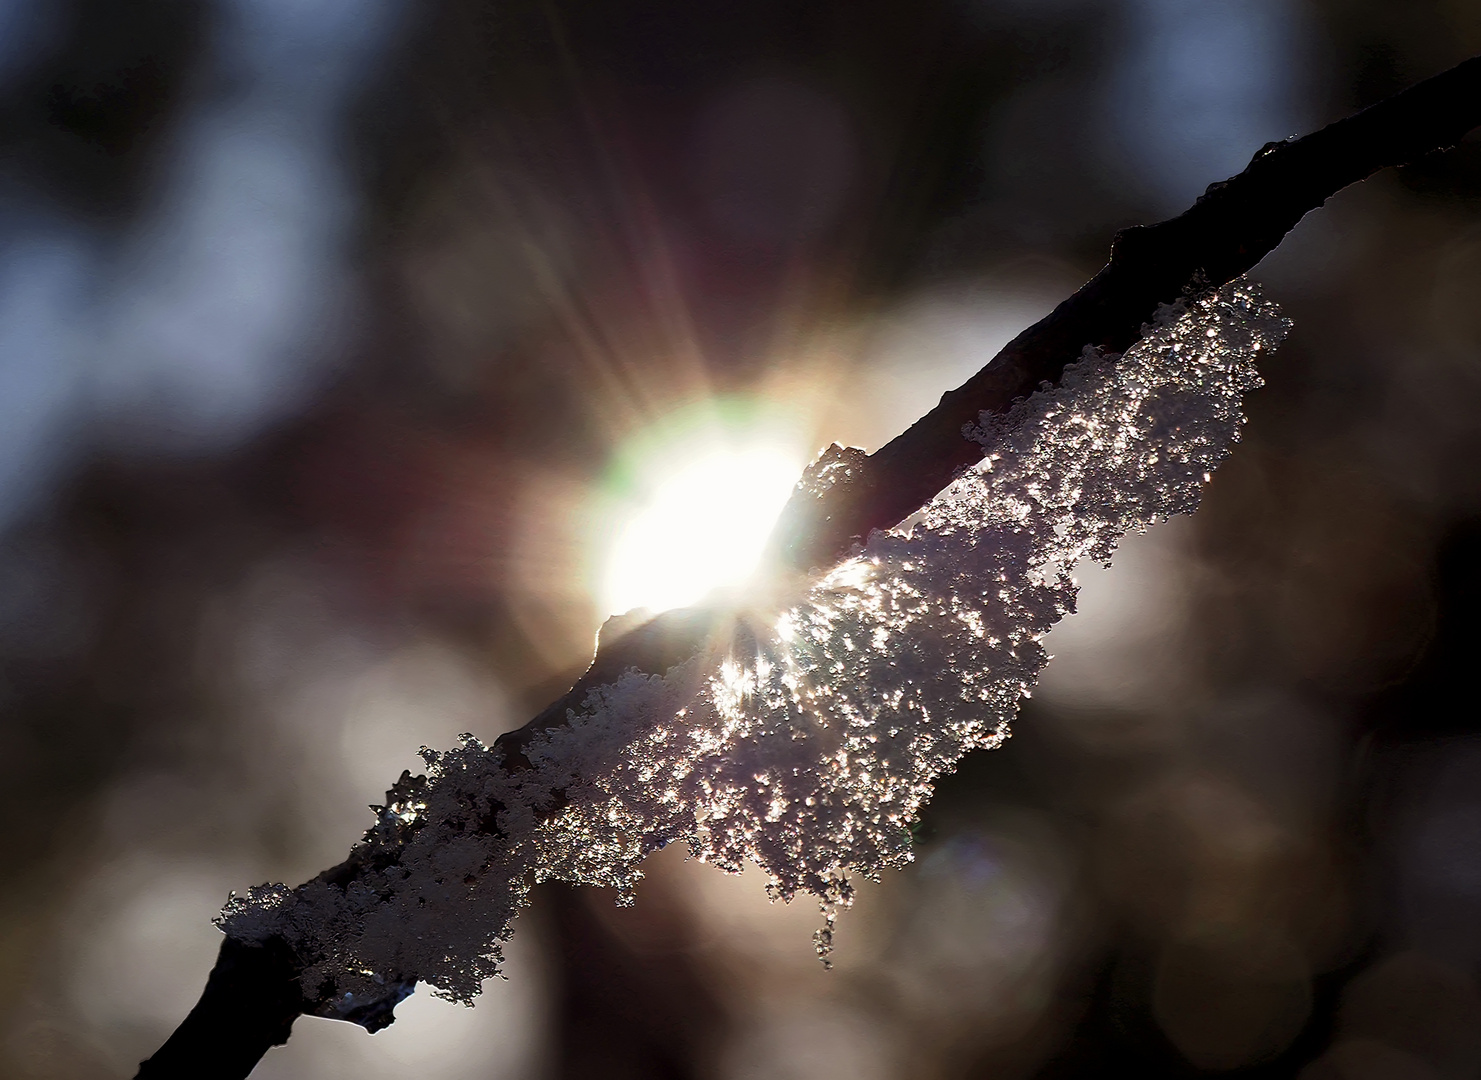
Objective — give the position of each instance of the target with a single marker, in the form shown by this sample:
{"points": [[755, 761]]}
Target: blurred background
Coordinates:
{"points": [[358, 357]]}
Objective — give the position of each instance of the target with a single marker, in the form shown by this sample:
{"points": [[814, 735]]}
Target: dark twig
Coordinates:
{"points": [[1234, 225], [253, 995], [250, 1003]]}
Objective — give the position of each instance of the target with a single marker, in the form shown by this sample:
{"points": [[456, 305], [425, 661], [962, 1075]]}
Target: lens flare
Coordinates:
{"points": [[695, 502]]}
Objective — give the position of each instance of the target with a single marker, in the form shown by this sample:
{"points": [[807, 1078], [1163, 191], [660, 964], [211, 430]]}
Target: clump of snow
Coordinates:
{"points": [[805, 739]]}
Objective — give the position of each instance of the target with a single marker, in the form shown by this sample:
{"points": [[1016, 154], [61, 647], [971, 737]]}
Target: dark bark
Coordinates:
{"points": [[250, 1003], [253, 995], [1234, 225]]}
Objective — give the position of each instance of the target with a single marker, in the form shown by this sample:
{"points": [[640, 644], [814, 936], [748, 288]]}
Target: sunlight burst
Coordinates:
{"points": [[698, 505]]}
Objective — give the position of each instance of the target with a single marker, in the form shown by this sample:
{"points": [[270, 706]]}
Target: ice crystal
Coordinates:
{"points": [[805, 739]]}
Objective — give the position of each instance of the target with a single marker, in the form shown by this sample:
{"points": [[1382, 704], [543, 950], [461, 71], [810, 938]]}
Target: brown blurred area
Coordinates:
{"points": [[321, 322]]}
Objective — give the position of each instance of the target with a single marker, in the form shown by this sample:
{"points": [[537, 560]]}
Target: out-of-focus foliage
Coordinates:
{"points": [[321, 321]]}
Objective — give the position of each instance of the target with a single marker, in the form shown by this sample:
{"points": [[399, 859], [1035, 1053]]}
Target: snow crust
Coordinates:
{"points": [[805, 739]]}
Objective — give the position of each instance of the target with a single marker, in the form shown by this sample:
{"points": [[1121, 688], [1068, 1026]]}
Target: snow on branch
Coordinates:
{"points": [[1234, 225], [804, 733], [804, 738]]}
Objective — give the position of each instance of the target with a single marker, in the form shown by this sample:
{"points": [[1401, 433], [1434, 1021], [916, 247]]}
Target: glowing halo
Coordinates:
{"points": [[690, 502]]}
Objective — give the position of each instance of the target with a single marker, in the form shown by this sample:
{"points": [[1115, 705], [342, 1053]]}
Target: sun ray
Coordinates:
{"points": [[691, 504]]}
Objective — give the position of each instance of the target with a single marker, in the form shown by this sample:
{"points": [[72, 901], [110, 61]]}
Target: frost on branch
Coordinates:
{"points": [[807, 738]]}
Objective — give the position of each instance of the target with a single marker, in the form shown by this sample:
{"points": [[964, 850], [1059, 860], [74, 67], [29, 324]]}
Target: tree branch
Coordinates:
{"points": [[253, 994], [249, 1005], [1234, 225]]}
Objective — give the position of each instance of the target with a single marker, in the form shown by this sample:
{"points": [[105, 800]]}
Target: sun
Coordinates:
{"points": [[690, 504]]}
